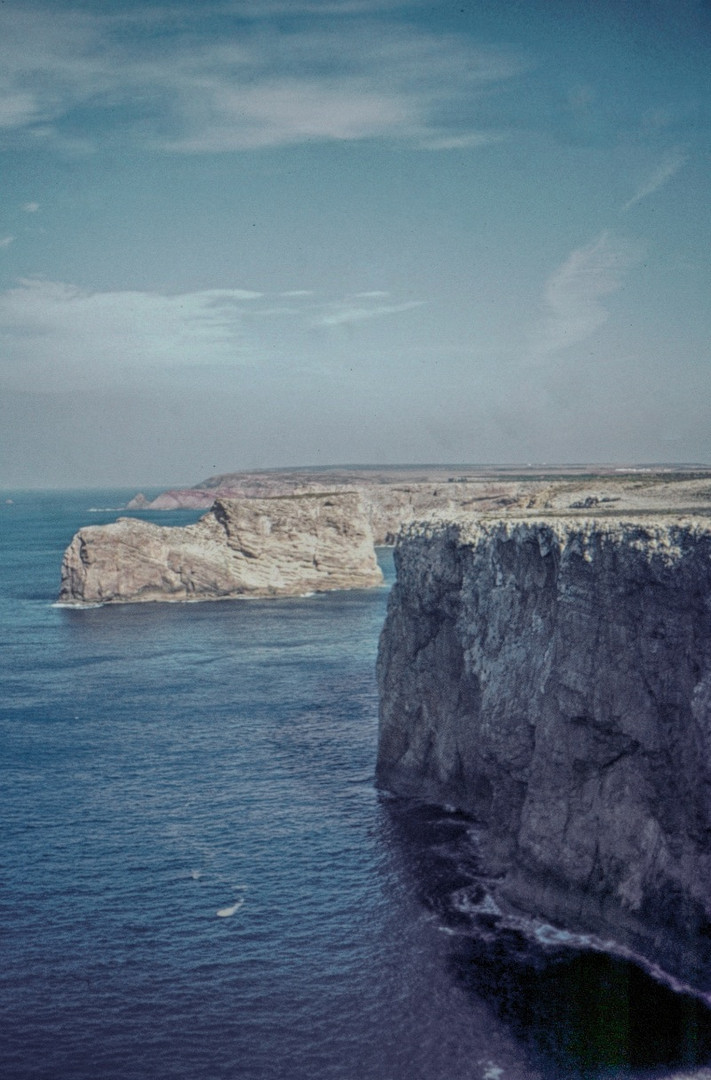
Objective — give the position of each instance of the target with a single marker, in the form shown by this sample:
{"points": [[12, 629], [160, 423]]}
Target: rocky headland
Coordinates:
{"points": [[241, 548], [395, 495], [551, 676], [390, 496]]}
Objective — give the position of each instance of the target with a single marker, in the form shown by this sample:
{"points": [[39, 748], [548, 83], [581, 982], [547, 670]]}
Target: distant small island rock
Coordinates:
{"points": [[282, 546], [552, 677]]}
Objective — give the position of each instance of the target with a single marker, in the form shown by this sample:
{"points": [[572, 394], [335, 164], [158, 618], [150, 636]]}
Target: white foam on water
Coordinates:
{"points": [[554, 935], [226, 912], [196, 874], [549, 935], [75, 607], [464, 902], [698, 1074]]}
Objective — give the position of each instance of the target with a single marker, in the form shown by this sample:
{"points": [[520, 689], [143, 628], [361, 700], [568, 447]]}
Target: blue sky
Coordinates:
{"points": [[241, 235]]}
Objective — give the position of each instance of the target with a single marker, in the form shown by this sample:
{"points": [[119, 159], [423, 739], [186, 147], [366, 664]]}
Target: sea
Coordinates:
{"points": [[199, 879]]}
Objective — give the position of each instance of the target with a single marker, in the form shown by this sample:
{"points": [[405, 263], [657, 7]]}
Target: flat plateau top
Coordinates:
{"points": [[500, 490], [424, 473]]}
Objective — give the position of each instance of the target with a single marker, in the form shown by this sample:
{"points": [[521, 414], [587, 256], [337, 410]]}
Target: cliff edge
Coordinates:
{"points": [[240, 548], [553, 678]]}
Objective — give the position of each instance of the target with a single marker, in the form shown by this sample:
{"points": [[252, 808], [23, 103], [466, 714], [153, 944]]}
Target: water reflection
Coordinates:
{"points": [[577, 1011]]}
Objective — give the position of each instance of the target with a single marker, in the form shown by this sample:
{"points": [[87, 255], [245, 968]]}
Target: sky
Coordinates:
{"points": [[250, 234]]}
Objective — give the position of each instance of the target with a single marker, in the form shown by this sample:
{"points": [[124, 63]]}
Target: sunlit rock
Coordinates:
{"points": [[241, 548]]}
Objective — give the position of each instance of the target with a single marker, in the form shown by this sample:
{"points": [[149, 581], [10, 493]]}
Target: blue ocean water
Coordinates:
{"points": [[198, 878]]}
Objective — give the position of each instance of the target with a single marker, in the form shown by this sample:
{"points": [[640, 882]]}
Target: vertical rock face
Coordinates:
{"points": [[554, 679], [241, 548]]}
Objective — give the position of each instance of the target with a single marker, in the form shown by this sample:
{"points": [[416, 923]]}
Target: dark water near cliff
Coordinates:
{"points": [[198, 879]]}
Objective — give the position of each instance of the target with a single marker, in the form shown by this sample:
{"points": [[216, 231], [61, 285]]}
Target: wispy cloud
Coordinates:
{"points": [[661, 176], [574, 293], [228, 80], [61, 337], [58, 336], [444, 141], [31, 207], [5, 241], [355, 314]]}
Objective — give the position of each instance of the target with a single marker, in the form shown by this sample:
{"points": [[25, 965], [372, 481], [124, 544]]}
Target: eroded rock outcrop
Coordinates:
{"points": [[397, 495], [553, 678], [388, 504], [256, 547]]}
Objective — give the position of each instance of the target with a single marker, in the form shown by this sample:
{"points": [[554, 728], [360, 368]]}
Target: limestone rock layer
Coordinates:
{"points": [[397, 495], [240, 548], [553, 678]]}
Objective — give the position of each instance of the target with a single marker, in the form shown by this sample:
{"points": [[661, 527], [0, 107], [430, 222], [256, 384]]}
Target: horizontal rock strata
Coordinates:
{"points": [[241, 548], [553, 678], [387, 505], [394, 496]]}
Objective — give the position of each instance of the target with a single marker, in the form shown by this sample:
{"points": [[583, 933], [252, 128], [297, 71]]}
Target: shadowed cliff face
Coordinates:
{"points": [[256, 547], [554, 680]]}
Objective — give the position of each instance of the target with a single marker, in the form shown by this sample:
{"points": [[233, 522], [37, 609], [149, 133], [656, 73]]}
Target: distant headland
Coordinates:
{"points": [[395, 494]]}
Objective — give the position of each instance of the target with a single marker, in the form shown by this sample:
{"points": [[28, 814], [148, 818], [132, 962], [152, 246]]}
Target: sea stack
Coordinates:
{"points": [[553, 678], [241, 548]]}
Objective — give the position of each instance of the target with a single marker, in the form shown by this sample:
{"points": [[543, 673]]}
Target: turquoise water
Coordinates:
{"points": [[199, 879]]}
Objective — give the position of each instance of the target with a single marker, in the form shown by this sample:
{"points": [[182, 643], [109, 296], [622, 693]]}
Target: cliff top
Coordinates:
{"points": [[481, 487], [658, 534]]}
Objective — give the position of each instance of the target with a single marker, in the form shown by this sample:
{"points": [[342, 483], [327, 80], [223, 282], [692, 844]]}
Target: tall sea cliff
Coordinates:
{"points": [[552, 677]]}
